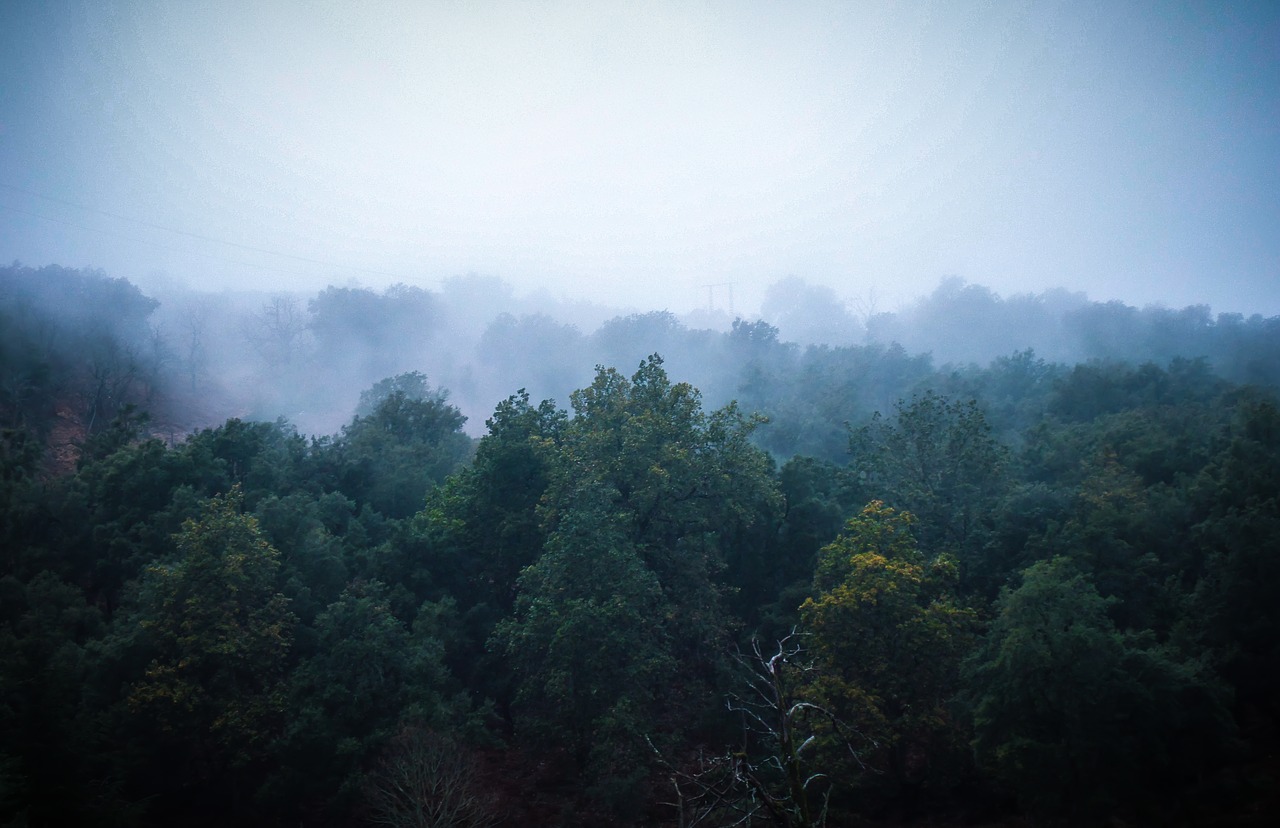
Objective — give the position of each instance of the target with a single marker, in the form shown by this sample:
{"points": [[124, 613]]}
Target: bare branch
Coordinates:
{"points": [[767, 778], [428, 781]]}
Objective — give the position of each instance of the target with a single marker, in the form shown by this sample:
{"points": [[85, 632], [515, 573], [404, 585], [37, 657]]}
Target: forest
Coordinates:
{"points": [[405, 557]]}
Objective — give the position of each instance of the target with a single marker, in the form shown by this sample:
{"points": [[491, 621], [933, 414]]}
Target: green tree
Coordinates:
{"points": [[819, 496], [116, 516], [263, 458], [485, 516], [412, 385], [367, 676], [47, 734], [688, 487], [392, 457], [22, 501], [1076, 716], [938, 461], [219, 633], [619, 627], [1237, 502], [481, 529], [589, 649]]}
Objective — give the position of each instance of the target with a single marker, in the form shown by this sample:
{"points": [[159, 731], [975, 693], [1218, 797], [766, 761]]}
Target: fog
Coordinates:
{"points": [[78, 348], [449, 406], [659, 156]]}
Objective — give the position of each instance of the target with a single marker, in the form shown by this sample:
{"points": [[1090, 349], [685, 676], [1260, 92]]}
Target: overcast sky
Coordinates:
{"points": [[632, 153]]}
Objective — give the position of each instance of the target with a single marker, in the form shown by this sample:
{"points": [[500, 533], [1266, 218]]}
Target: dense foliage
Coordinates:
{"points": [[1031, 588]]}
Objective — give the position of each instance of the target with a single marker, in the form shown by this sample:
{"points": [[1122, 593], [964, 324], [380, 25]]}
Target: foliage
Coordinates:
{"points": [[938, 460], [394, 455], [219, 633], [888, 636], [1075, 715], [644, 493], [481, 529], [1237, 498], [587, 646], [63, 359], [234, 623], [367, 676], [412, 386]]}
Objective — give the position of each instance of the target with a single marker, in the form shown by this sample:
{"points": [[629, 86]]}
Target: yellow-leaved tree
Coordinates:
{"points": [[887, 637]]}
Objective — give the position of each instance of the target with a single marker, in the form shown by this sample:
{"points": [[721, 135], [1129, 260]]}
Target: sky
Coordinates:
{"points": [[637, 153]]}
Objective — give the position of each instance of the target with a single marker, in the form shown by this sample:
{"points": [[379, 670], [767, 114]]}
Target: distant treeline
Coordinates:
{"points": [[77, 346], [874, 589]]}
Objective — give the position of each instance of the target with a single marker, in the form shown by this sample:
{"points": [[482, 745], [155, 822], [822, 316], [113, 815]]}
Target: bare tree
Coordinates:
{"points": [[428, 781], [112, 370], [772, 776], [709, 791], [18, 390], [276, 331], [865, 309], [195, 353]]}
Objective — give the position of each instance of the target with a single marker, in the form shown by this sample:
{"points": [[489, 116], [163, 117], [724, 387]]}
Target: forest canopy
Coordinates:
{"points": [[975, 559]]}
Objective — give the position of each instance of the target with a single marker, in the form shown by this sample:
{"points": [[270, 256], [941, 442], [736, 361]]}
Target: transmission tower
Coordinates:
{"points": [[711, 295]]}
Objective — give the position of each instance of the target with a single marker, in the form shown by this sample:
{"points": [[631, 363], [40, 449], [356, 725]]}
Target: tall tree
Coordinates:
{"points": [[367, 678], [937, 460], [888, 636], [481, 529], [590, 652], [219, 634], [646, 496]]}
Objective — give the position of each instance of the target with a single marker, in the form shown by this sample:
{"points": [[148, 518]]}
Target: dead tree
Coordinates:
{"points": [[773, 776], [428, 781]]}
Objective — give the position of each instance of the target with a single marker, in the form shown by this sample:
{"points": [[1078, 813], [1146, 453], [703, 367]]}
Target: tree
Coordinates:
{"points": [[546, 355], [74, 341], [427, 780], [1237, 500], [48, 738], [367, 677], [1077, 717], [412, 386], [688, 486], [776, 773], [218, 632], [619, 625], [626, 340], [810, 314], [938, 461], [365, 335], [193, 347], [888, 637], [481, 528], [588, 647], [390, 458], [262, 458], [21, 500], [275, 332], [819, 496]]}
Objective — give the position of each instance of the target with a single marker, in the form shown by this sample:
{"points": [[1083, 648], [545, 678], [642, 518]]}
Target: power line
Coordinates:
{"points": [[149, 242], [181, 232]]}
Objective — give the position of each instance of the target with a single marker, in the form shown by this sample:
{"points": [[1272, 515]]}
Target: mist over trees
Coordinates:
{"points": [[308, 358], [463, 556]]}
